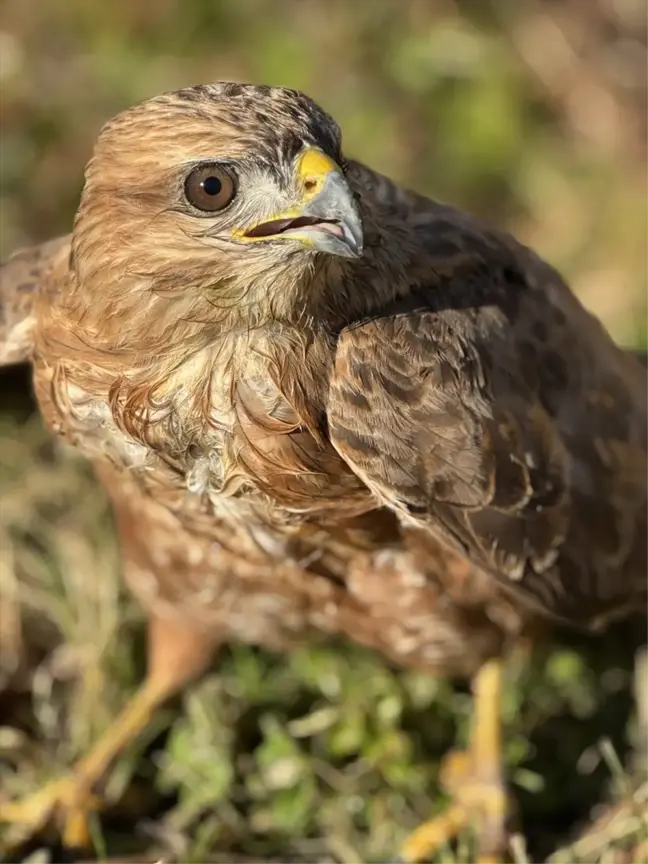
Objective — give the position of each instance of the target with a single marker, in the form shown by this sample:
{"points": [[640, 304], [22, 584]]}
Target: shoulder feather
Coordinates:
{"points": [[23, 277]]}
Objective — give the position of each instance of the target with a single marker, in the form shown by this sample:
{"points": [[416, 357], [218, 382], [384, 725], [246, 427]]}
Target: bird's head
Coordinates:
{"points": [[226, 194]]}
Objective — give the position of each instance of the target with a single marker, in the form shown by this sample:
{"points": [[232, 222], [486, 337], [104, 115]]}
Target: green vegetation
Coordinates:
{"points": [[328, 753]]}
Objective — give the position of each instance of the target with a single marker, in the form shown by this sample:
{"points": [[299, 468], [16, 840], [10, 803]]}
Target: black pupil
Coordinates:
{"points": [[211, 185]]}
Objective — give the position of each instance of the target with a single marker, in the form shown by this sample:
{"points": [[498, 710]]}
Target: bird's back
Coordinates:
{"points": [[529, 423]]}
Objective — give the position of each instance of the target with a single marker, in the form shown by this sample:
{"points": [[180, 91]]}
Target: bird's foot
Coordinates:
{"points": [[66, 803], [479, 803]]}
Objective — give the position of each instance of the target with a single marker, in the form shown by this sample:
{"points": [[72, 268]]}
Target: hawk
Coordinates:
{"points": [[322, 404]]}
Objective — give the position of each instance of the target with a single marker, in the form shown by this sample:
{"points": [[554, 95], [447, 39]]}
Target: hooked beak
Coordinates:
{"points": [[327, 218]]}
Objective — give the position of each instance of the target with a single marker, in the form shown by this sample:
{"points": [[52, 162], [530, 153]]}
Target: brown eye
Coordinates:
{"points": [[209, 188]]}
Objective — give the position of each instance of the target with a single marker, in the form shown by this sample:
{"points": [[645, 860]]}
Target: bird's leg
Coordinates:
{"points": [[474, 780], [176, 654]]}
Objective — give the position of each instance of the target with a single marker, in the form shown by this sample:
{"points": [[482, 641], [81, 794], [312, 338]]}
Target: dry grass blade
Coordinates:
{"points": [[619, 831]]}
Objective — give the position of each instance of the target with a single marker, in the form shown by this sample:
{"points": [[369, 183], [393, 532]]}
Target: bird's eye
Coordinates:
{"points": [[209, 188]]}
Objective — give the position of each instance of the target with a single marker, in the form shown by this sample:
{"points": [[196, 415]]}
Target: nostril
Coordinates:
{"points": [[310, 185]]}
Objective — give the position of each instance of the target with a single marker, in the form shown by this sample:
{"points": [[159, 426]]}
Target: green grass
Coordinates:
{"points": [[326, 753]]}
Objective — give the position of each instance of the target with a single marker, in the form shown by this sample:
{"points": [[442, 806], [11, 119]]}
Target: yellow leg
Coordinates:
{"points": [[71, 798], [474, 780], [175, 656]]}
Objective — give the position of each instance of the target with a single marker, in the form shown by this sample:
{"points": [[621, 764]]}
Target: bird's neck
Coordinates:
{"points": [[162, 332]]}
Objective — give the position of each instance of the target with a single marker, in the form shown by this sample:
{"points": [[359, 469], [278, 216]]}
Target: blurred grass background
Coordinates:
{"points": [[529, 114]]}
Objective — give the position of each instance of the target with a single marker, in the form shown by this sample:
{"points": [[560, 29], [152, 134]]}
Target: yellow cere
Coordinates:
{"points": [[313, 168]]}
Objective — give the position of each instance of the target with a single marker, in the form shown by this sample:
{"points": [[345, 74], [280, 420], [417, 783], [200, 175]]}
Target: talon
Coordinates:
{"points": [[75, 820], [62, 801], [476, 804], [69, 802], [433, 834], [455, 770], [474, 782]]}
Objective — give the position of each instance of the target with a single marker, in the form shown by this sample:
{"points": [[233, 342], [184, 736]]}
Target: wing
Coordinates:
{"points": [[488, 406], [22, 277]]}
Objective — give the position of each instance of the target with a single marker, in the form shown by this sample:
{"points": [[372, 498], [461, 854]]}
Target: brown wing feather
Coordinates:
{"points": [[22, 277], [492, 408]]}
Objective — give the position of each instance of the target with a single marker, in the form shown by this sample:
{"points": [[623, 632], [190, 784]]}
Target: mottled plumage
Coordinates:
{"points": [[22, 278], [333, 405]]}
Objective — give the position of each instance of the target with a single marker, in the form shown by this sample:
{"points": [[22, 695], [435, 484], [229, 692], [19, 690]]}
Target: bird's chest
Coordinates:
{"points": [[258, 458], [226, 445]]}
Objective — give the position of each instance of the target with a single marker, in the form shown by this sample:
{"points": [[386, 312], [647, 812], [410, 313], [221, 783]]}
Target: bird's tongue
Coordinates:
{"points": [[281, 226]]}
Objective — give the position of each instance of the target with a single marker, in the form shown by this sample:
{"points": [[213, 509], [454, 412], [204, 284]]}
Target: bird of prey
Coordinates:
{"points": [[321, 403]]}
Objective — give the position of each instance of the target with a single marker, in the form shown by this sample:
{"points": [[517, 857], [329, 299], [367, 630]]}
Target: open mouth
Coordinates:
{"points": [[282, 226]]}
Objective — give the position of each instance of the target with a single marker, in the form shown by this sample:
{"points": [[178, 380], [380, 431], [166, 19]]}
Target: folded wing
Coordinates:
{"points": [[22, 278]]}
